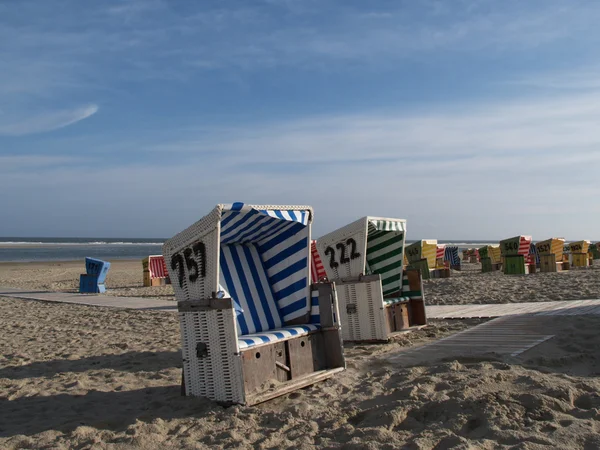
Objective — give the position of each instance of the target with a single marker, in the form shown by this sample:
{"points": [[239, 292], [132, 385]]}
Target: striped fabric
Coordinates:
{"points": [[386, 225], [265, 265], [440, 251], [385, 253], [405, 295], [451, 255], [157, 267], [244, 278], [534, 256], [315, 316], [317, 270], [524, 245], [253, 339]]}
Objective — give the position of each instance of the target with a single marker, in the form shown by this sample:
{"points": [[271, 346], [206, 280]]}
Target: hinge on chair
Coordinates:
{"points": [[351, 308], [201, 350]]}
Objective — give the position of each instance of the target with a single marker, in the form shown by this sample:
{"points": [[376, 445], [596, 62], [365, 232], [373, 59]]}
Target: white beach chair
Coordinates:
{"points": [[365, 260], [252, 326]]}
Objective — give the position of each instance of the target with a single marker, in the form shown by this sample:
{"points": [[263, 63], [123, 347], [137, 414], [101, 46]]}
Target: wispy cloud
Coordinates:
{"points": [[534, 151], [43, 122], [586, 77]]}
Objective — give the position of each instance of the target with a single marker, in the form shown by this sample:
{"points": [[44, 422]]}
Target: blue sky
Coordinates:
{"points": [[470, 119]]}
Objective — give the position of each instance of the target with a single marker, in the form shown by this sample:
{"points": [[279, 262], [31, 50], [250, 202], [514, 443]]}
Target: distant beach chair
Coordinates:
{"points": [[534, 255], [421, 256], [92, 282], [579, 253], [451, 257], [317, 270], [155, 271], [550, 253], [252, 325], [490, 258], [439, 256], [595, 250], [377, 298], [516, 254]]}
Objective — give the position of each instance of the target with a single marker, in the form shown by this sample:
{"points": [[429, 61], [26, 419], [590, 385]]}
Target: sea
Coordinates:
{"points": [[31, 249]]}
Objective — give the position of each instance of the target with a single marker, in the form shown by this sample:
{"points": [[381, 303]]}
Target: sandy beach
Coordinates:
{"points": [[74, 376], [82, 377], [463, 287]]}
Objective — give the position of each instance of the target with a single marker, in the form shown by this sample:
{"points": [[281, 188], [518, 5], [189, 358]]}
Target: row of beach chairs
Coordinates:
{"points": [[519, 255], [264, 309]]}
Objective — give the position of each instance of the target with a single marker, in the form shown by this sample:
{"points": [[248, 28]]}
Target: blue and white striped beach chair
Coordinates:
{"points": [[451, 255], [534, 254], [249, 317]]}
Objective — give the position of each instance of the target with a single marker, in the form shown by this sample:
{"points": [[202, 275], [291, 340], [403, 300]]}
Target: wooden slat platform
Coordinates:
{"points": [[505, 336], [92, 300], [560, 308]]}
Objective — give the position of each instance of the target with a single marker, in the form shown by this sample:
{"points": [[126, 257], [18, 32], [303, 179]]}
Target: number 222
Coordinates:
{"points": [[329, 251]]}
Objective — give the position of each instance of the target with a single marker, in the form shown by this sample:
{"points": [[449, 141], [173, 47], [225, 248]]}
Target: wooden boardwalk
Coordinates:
{"points": [[507, 336], [560, 308], [140, 303]]}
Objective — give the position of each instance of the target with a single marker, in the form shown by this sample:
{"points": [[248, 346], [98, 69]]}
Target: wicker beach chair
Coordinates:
{"points": [[155, 271], [422, 255], [550, 252], [365, 260], [92, 282], [579, 253], [452, 258], [516, 254], [252, 325]]}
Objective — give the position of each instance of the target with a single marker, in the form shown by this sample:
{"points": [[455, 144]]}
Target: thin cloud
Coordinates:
{"points": [[579, 78], [47, 121]]}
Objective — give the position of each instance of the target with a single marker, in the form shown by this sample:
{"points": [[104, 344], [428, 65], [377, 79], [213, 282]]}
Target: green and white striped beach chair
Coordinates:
{"points": [[365, 260]]}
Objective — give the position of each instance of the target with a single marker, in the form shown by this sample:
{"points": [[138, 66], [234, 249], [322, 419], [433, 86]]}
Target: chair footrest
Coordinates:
{"points": [[278, 334]]}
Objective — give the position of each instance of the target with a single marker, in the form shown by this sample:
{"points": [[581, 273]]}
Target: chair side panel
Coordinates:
{"points": [[343, 251], [215, 373]]}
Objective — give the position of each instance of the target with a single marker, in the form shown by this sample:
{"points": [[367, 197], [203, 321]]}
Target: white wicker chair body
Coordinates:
{"points": [[218, 374], [362, 310], [213, 365], [344, 255]]}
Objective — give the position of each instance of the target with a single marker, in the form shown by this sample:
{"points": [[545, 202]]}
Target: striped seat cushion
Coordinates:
{"points": [[393, 301], [278, 334], [244, 277]]}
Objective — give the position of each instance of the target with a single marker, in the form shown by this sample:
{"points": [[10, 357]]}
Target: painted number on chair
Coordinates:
{"points": [[193, 259], [344, 257], [413, 252], [508, 246], [543, 247]]}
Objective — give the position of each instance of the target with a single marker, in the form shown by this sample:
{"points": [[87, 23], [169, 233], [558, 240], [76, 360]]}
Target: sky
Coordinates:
{"points": [[472, 119]]}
